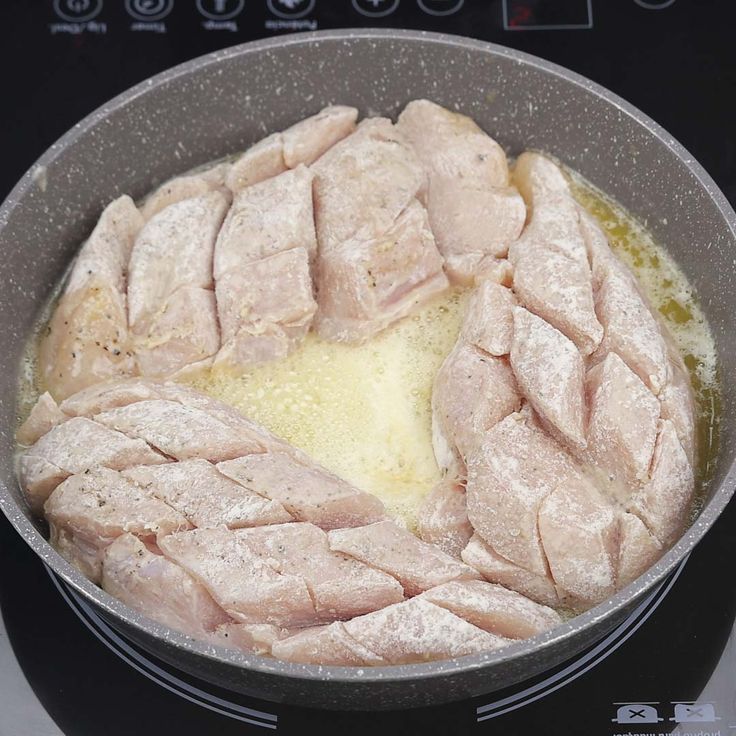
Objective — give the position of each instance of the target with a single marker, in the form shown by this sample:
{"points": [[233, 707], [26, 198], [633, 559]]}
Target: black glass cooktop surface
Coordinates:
{"points": [[670, 667]]}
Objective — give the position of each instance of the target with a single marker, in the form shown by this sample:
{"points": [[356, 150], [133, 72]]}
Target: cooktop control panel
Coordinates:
{"points": [[69, 56], [231, 16]]}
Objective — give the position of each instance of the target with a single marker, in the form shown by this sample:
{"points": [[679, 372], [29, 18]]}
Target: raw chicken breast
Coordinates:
{"points": [[364, 183], [251, 571], [265, 308], [515, 468], [678, 405], [87, 338], [305, 141], [341, 587], [182, 432], [249, 638], [366, 285], [268, 218], [118, 394], [663, 502], [95, 508], [185, 331], [239, 579], [109, 395], [44, 415], [262, 270], [171, 304], [493, 608], [307, 491], [205, 497], [413, 631], [578, 527], [261, 161], [497, 569], [477, 216], [459, 425], [473, 210], [552, 277], [302, 143], [630, 328], [77, 446], [185, 187], [325, 645], [489, 319], [550, 374], [377, 256], [470, 269], [419, 631], [417, 565], [443, 518], [638, 549], [158, 588], [622, 427]]}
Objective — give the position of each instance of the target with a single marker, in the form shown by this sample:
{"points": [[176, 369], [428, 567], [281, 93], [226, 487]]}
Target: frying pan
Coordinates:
{"points": [[225, 101]]}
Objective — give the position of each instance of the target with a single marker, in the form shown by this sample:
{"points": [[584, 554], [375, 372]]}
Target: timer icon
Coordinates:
{"points": [[149, 10]]}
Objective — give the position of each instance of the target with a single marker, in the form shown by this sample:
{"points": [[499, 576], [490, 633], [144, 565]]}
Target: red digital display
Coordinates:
{"points": [[528, 15]]}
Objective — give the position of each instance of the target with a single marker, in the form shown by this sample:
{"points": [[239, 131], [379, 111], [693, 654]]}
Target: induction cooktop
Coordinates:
{"points": [[669, 668]]}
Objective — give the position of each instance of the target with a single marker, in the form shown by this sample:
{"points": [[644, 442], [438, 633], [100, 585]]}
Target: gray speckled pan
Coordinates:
{"points": [[225, 101]]}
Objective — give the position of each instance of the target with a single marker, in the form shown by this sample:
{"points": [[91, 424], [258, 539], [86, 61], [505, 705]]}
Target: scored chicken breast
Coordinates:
{"points": [[377, 256], [473, 209], [302, 143], [563, 419], [87, 339], [262, 270], [159, 588], [171, 302]]}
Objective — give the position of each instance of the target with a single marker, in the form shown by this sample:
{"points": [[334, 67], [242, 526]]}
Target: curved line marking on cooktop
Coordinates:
{"points": [[142, 664], [596, 655]]}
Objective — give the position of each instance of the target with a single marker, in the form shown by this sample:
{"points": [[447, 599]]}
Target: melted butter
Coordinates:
{"points": [[362, 411]]}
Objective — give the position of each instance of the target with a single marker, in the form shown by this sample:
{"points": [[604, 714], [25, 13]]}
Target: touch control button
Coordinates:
{"points": [[291, 8], [220, 9], [149, 10], [375, 8], [440, 7], [77, 11]]}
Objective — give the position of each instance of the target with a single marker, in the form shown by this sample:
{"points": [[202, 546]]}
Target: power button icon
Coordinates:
{"points": [[77, 11]]}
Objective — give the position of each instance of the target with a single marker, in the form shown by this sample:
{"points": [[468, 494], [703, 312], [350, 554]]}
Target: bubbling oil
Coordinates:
{"points": [[362, 411]]}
